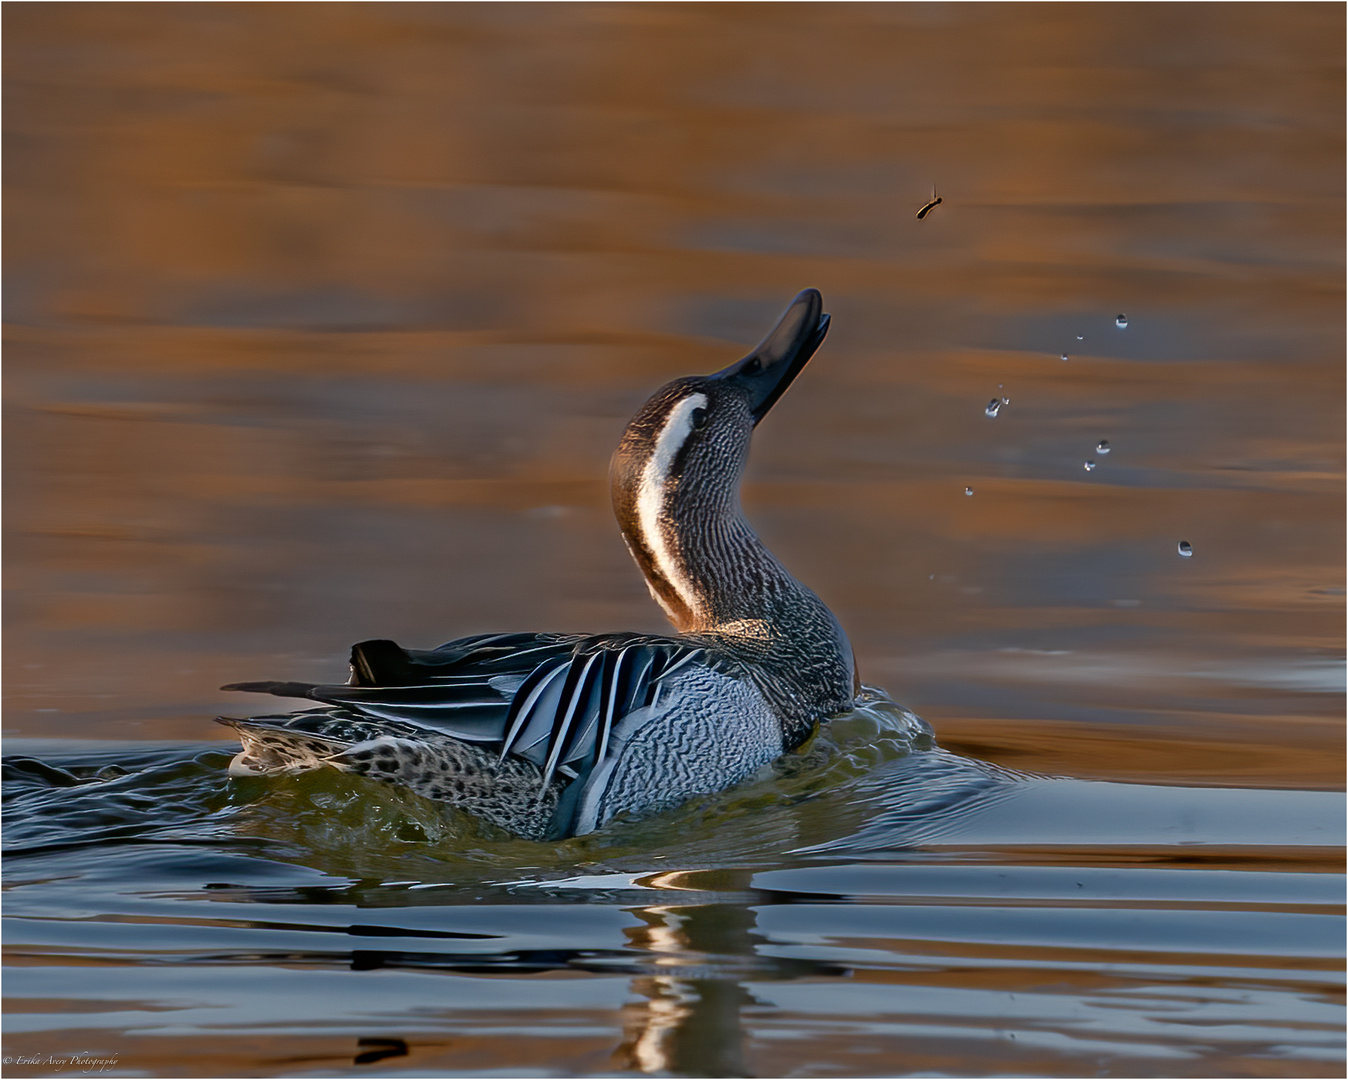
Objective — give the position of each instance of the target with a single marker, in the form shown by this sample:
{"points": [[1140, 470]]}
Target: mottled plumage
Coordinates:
{"points": [[551, 735]]}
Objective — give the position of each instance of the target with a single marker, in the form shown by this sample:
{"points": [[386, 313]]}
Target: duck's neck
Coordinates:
{"points": [[714, 578], [712, 573]]}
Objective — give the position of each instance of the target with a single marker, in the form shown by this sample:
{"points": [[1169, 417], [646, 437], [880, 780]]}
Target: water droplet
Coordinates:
{"points": [[1001, 386], [1064, 358], [994, 407], [1102, 447], [1006, 401], [931, 577], [1121, 321], [1186, 549], [1081, 337], [1090, 466], [968, 491]]}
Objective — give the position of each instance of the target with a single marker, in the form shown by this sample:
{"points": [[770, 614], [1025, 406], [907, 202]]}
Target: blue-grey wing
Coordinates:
{"points": [[551, 699], [462, 689], [563, 715]]}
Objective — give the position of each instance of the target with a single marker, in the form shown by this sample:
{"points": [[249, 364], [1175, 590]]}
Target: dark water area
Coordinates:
{"points": [[321, 323]]}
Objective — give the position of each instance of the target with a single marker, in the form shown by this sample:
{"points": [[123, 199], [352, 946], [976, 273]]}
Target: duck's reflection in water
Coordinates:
{"points": [[688, 1021], [693, 988]]}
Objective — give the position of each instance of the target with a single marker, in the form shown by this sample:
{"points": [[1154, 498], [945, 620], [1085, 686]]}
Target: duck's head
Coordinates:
{"points": [[675, 476]]}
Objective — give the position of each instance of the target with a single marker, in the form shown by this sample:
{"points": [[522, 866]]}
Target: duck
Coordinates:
{"points": [[553, 735]]}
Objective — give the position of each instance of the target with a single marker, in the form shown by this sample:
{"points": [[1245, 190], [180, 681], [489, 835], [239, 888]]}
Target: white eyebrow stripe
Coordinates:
{"points": [[650, 498]]}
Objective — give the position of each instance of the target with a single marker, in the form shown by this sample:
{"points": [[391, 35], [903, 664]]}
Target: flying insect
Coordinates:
{"points": [[935, 202]]}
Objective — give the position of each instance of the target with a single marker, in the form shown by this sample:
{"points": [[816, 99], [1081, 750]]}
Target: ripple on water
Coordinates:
{"points": [[182, 794], [868, 891]]}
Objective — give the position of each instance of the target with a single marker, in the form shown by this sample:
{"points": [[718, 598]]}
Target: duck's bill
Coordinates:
{"points": [[768, 370]]}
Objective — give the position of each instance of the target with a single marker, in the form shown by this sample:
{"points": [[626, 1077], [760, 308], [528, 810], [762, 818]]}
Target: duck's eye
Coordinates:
{"points": [[699, 417]]}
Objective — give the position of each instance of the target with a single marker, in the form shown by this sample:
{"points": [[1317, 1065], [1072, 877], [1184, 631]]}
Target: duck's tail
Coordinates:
{"points": [[268, 748]]}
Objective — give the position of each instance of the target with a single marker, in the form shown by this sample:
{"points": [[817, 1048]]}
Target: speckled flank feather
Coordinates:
{"points": [[506, 793]]}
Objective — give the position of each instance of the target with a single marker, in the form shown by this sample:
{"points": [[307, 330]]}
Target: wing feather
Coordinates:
{"points": [[582, 742], [619, 704], [522, 706], [577, 691], [552, 699]]}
